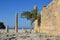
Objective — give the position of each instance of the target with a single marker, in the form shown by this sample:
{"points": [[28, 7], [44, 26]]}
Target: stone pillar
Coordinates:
{"points": [[7, 30], [36, 21], [36, 28], [16, 23], [35, 7]]}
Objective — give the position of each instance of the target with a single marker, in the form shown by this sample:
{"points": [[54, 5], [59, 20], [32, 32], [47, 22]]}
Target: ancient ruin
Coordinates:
{"points": [[50, 18], [7, 30], [16, 23], [36, 28]]}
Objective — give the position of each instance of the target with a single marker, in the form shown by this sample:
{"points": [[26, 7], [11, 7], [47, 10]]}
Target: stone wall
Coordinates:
{"points": [[50, 18]]}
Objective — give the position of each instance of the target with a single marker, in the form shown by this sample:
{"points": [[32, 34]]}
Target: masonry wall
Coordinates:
{"points": [[50, 18]]}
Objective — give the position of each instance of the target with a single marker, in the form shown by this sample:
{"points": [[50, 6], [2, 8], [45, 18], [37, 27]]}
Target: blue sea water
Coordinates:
{"points": [[20, 28]]}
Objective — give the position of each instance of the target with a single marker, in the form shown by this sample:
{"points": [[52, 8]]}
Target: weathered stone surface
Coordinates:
{"points": [[16, 23], [50, 18], [7, 29], [36, 28]]}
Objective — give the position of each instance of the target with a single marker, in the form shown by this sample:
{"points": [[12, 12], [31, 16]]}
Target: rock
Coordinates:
{"points": [[25, 31], [48, 39]]}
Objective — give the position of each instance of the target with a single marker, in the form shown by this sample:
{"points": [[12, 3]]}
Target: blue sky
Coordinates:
{"points": [[8, 9]]}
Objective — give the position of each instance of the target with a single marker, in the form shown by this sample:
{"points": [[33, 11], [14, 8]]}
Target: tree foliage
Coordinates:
{"points": [[2, 26], [32, 15]]}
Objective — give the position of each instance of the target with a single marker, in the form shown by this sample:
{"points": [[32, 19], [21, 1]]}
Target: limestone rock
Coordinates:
{"points": [[50, 18], [36, 28], [16, 23], [7, 29]]}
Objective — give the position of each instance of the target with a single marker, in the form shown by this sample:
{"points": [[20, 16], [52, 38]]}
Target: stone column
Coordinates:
{"points": [[35, 7], [36, 28], [16, 23], [36, 21], [7, 30]]}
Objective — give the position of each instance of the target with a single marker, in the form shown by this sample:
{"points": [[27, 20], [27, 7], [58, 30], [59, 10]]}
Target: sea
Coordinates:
{"points": [[20, 28]]}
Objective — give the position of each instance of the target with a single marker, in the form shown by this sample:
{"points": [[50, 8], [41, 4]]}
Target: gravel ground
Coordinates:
{"points": [[26, 36]]}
